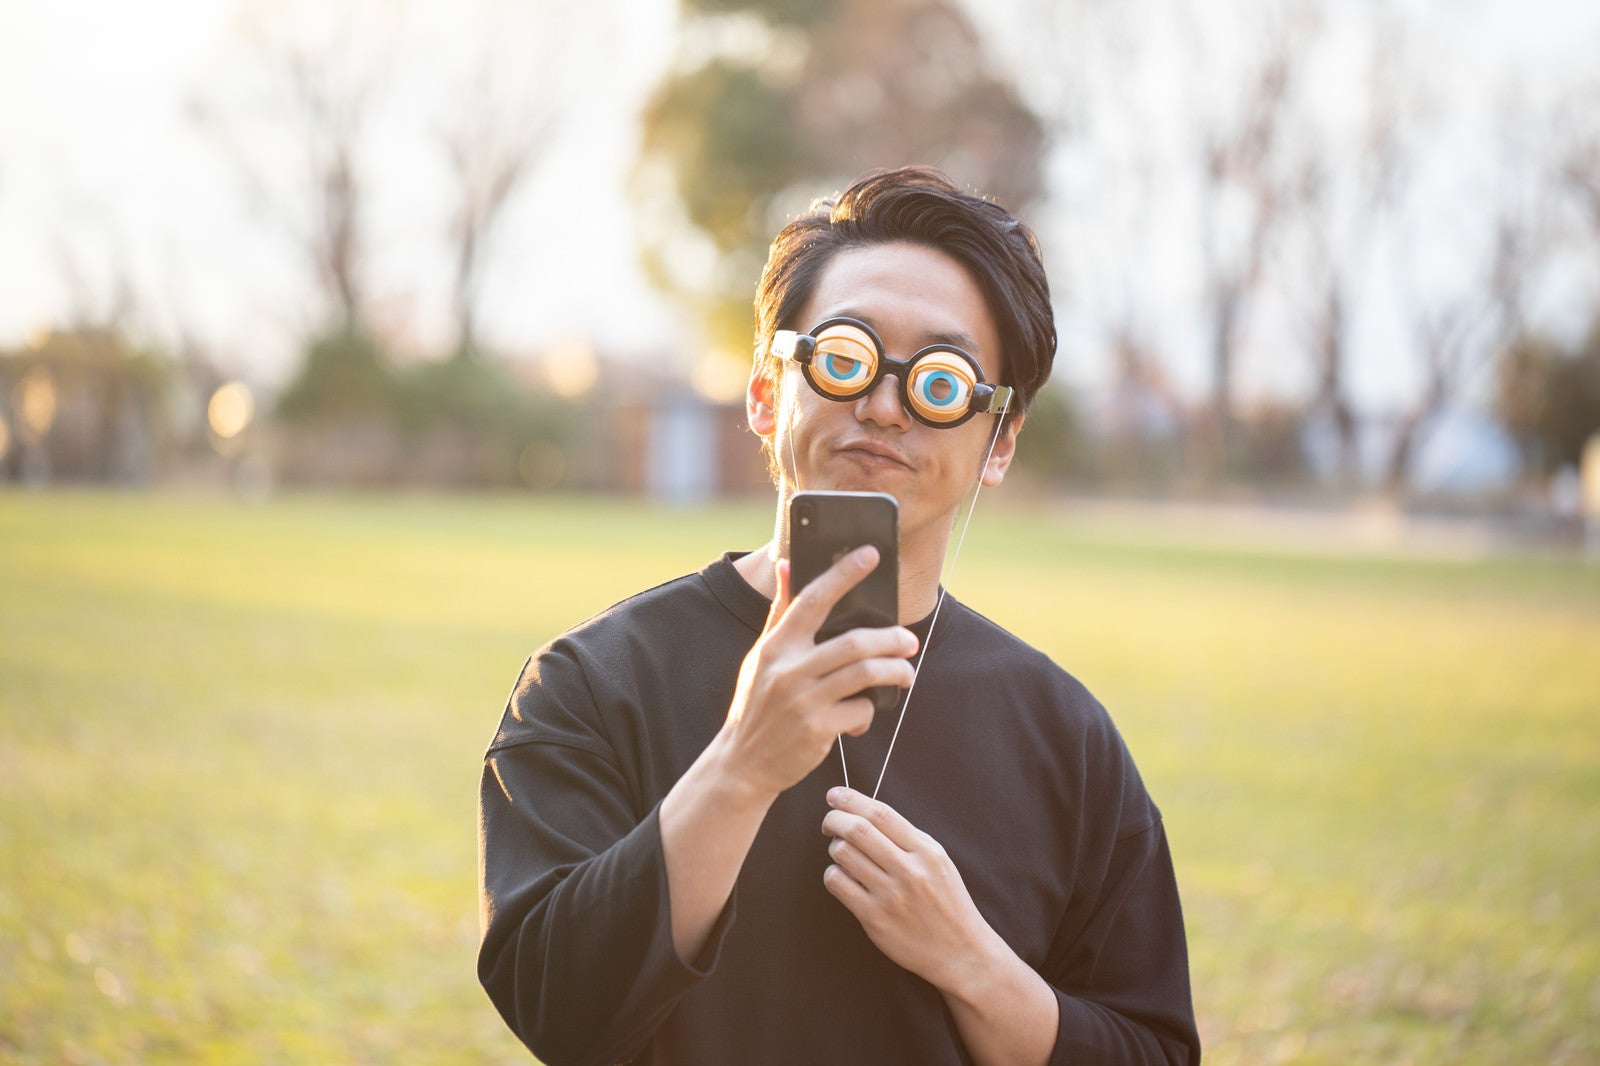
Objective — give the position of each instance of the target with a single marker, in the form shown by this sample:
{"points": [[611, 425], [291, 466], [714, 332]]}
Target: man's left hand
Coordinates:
{"points": [[903, 889]]}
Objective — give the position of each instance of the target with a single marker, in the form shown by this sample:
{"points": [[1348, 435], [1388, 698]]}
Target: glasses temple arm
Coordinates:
{"points": [[787, 344], [999, 399]]}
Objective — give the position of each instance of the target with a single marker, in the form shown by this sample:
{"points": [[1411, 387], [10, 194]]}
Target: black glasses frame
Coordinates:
{"points": [[801, 348]]}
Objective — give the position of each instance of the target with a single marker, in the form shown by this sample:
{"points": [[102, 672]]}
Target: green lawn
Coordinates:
{"points": [[239, 749]]}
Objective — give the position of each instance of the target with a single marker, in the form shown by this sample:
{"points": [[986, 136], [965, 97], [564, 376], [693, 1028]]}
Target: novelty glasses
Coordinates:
{"points": [[843, 359]]}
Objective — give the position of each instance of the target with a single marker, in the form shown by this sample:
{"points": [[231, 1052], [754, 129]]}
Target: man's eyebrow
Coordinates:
{"points": [[956, 338]]}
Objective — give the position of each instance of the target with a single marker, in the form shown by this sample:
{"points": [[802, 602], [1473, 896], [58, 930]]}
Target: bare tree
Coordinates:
{"points": [[1577, 166], [334, 120], [501, 120], [1458, 337], [1446, 338], [1245, 194], [96, 307], [1345, 201], [487, 167], [320, 98]]}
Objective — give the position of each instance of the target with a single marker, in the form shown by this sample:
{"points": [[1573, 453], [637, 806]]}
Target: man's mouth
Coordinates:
{"points": [[873, 452]]}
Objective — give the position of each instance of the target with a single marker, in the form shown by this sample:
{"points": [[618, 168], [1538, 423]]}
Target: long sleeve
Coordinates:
{"points": [[577, 951], [1122, 975]]}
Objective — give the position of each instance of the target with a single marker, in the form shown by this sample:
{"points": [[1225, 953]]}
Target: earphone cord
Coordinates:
{"points": [[944, 586]]}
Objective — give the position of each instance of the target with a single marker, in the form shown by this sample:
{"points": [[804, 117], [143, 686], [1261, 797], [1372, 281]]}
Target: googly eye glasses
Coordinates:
{"points": [[843, 359]]}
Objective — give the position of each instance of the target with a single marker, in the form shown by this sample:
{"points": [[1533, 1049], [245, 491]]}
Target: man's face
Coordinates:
{"points": [[912, 296]]}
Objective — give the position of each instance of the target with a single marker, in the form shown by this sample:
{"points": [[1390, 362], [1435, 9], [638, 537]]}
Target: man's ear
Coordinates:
{"points": [[1005, 449], [761, 403]]}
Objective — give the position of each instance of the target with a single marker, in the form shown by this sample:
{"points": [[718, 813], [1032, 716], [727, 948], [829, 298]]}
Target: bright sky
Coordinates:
{"points": [[1111, 240], [99, 165]]}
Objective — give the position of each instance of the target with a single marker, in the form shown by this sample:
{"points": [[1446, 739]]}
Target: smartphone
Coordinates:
{"points": [[826, 525]]}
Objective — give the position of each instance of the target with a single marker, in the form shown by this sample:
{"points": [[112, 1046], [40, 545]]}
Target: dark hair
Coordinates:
{"points": [[919, 205]]}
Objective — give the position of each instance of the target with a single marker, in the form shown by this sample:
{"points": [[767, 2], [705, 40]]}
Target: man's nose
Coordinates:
{"points": [[883, 404]]}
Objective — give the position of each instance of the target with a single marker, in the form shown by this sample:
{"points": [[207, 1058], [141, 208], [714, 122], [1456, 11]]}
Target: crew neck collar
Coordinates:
{"points": [[752, 608]]}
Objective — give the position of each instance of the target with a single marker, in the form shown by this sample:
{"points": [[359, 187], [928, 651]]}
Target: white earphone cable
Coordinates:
{"points": [[944, 586]]}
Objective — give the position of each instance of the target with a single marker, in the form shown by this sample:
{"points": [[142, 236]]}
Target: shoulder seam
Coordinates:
{"points": [[575, 743], [598, 615]]}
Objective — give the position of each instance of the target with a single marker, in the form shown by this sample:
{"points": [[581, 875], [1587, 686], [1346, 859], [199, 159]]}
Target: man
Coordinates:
{"points": [[672, 870]]}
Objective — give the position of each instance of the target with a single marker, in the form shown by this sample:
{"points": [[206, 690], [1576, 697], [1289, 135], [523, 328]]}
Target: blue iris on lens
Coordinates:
{"points": [[939, 388], [841, 367]]}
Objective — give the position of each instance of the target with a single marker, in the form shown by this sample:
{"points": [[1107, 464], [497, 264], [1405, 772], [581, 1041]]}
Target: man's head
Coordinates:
{"points": [[925, 274], [919, 206]]}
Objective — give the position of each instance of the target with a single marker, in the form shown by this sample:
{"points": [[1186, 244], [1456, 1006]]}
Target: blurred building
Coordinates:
{"points": [[642, 429], [567, 420], [81, 406]]}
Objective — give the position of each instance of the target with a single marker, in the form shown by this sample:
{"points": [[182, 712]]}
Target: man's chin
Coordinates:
{"points": [[862, 481]]}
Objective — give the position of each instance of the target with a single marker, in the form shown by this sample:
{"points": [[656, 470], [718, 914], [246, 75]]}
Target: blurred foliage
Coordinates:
{"points": [[820, 93], [1548, 398], [344, 374], [353, 416], [799, 13], [1061, 446], [479, 393], [1054, 447], [735, 144]]}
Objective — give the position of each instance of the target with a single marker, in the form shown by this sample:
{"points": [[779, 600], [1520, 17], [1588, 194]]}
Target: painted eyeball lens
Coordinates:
{"points": [[941, 386], [845, 361]]}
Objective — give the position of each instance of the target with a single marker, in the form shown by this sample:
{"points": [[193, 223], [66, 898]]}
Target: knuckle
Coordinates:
{"points": [[767, 654], [856, 677], [801, 608], [819, 734]]}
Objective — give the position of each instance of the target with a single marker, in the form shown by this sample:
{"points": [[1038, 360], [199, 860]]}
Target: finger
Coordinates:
{"points": [[857, 864], [809, 609], [888, 821], [858, 676], [865, 838], [852, 717], [846, 889], [875, 642]]}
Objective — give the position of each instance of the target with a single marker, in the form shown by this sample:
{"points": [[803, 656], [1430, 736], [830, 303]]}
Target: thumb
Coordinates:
{"points": [[780, 599]]}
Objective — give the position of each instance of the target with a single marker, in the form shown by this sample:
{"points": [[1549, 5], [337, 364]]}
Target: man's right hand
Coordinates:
{"points": [[795, 695]]}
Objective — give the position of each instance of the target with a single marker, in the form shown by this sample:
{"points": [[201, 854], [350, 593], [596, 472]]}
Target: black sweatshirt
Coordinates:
{"points": [[1004, 759]]}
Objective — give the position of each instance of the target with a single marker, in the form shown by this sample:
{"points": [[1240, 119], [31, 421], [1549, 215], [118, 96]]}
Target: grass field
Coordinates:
{"points": [[239, 753]]}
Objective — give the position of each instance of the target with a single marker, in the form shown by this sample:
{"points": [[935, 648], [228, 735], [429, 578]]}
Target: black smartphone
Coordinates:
{"points": [[823, 526], [826, 525]]}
